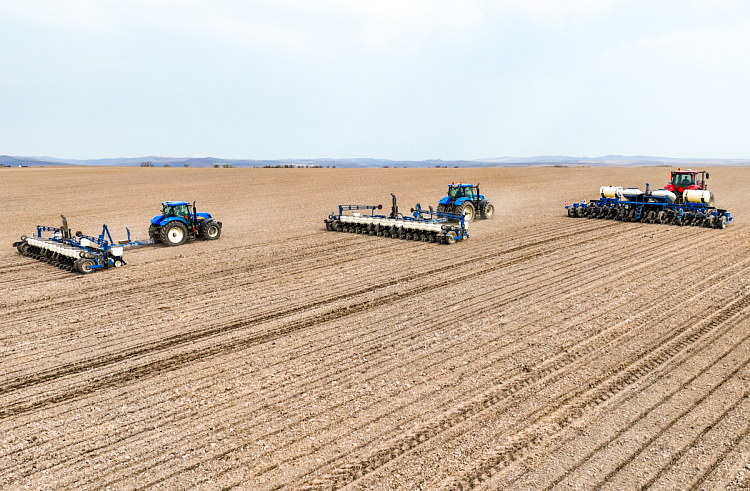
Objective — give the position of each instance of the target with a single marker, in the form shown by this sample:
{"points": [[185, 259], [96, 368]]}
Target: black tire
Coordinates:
{"points": [[488, 211], [211, 230], [23, 248], [442, 208], [174, 234], [467, 210], [83, 265], [154, 232]]}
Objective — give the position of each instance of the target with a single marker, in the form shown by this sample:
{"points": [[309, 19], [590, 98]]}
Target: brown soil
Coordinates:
{"points": [[545, 352]]}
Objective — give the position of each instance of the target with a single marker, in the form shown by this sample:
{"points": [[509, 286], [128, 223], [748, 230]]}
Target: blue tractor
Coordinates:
{"points": [[465, 199], [177, 224]]}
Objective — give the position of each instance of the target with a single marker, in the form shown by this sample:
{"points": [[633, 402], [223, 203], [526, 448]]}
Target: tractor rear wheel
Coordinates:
{"points": [[174, 233], [488, 210], [441, 208], [467, 210], [211, 230]]}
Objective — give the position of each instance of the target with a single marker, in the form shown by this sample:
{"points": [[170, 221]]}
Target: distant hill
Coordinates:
{"points": [[545, 160], [8, 161]]}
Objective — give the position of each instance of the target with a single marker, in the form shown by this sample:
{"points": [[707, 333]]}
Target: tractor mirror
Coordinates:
{"points": [[706, 175]]}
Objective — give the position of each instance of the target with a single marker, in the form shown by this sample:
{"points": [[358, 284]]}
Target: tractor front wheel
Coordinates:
{"points": [[488, 210], [174, 234], [467, 210], [211, 230]]}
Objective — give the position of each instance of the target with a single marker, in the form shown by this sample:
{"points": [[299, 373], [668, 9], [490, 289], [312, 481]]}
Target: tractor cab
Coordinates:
{"points": [[179, 209], [456, 191], [687, 179]]}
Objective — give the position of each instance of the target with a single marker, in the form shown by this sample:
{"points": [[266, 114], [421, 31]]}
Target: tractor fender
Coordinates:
{"points": [[461, 201], [157, 220], [445, 201]]}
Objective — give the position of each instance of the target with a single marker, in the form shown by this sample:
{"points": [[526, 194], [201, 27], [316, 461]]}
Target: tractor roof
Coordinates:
{"points": [[461, 185], [174, 203]]}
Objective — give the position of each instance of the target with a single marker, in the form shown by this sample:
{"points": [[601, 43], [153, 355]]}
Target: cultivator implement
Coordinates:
{"points": [[81, 253], [423, 225], [694, 207]]}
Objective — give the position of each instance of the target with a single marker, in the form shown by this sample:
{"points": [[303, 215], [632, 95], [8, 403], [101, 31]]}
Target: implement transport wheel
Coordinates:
{"points": [[721, 222], [23, 248], [174, 233], [467, 210], [83, 265], [211, 230], [488, 210], [450, 237]]}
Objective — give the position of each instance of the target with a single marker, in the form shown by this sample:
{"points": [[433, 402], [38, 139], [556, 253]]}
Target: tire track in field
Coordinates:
{"points": [[572, 409], [408, 442], [707, 361], [329, 462], [562, 261], [198, 335]]}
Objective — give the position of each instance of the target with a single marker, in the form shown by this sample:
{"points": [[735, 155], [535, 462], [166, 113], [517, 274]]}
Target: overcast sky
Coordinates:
{"points": [[396, 79]]}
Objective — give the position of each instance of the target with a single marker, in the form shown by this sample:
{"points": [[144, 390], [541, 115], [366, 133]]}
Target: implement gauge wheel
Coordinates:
{"points": [[83, 265], [174, 234], [211, 230]]}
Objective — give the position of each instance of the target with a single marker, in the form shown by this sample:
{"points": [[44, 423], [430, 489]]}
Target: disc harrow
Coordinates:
{"points": [[422, 225], [661, 206], [76, 253]]}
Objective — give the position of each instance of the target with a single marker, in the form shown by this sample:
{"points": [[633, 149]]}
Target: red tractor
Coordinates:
{"points": [[686, 179]]}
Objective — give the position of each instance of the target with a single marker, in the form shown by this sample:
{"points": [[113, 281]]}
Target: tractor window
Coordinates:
{"points": [[181, 211], [167, 211], [469, 193], [687, 180], [456, 192]]}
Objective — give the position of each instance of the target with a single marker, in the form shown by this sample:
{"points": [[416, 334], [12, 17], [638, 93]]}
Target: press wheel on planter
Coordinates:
{"points": [[174, 233]]}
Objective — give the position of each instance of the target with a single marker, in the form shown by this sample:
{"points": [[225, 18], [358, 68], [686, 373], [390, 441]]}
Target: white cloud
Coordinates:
{"points": [[722, 49], [304, 24]]}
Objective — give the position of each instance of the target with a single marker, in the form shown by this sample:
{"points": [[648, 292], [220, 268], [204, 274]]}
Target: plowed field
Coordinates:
{"points": [[545, 352]]}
